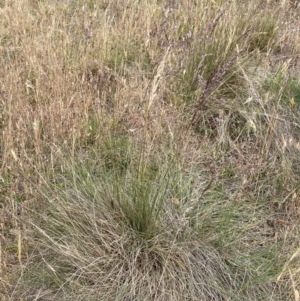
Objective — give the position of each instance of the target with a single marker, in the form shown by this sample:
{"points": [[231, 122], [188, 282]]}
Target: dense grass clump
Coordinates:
{"points": [[137, 234], [149, 150]]}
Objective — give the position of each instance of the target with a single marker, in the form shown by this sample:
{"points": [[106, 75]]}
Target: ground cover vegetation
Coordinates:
{"points": [[149, 150]]}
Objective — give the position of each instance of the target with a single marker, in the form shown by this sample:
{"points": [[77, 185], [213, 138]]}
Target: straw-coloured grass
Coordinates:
{"points": [[149, 150]]}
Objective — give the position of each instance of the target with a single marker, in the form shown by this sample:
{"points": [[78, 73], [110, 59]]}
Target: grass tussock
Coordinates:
{"points": [[114, 235], [149, 150]]}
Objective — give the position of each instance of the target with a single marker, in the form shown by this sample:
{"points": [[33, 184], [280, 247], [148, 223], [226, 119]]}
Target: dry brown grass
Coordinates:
{"points": [[138, 85]]}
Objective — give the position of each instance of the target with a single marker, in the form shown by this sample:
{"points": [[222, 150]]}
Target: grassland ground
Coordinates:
{"points": [[149, 150]]}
